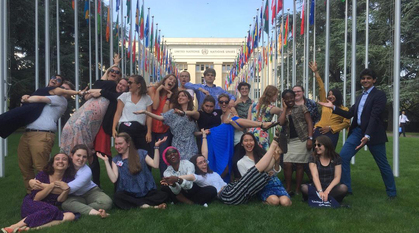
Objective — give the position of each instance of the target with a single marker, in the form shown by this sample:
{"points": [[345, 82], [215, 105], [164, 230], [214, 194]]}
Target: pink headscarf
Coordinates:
{"points": [[164, 154]]}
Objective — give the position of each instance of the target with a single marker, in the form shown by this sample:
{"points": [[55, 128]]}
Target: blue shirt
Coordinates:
{"points": [[361, 104], [139, 184], [214, 91]]}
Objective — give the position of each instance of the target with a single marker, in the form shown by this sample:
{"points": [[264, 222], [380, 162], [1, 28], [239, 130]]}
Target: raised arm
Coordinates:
{"points": [[154, 94], [60, 91], [116, 117], [204, 148], [155, 162], [112, 170], [283, 116], [322, 91], [152, 115]]}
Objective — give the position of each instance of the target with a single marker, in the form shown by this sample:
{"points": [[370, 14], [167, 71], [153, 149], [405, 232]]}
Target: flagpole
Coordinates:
{"points": [[90, 49], [3, 68], [96, 45], [47, 42], [76, 50], [58, 59], [396, 86], [101, 39], [294, 23], [353, 58], [306, 59], [122, 40], [282, 51], [326, 58], [36, 46], [288, 53], [130, 44], [314, 46], [111, 33], [345, 64], [367, 14]]}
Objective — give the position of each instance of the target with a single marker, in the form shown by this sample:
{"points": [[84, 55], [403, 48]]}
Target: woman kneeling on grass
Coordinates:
{"points": [[326, 169], [39, 208], [241, 191], [135, 186], [85, 196]]}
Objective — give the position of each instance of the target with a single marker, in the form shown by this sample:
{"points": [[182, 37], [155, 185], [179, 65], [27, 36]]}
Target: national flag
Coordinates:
{"points": [[108, 25], [312, 6], [151, 36], [86, 11], [117, 28], [261, 22], [137, 17], [118, 4], [129, 45], [128, 11], [279, 6], [99, 21], [273, 9], [146, 30], [142, 22], [255, 34], [286, 30], [266, 18], [302, 18], [133, 50], [73, 4]]}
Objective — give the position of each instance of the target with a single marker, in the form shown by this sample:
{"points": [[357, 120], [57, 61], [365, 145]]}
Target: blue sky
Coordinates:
{"points": [[203, 18]]}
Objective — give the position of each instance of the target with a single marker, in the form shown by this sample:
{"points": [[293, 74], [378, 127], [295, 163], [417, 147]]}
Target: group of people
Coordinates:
{"points": [[220, 150]]}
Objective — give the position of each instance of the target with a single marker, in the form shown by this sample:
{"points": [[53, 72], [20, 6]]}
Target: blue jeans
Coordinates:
{"points": [[378, 152], [333, 136]]}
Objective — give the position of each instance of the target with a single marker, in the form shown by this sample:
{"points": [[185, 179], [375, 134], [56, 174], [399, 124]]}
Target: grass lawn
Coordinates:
{"points": [[369, 212]]}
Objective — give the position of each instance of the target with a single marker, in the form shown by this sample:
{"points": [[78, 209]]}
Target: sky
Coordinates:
{"points": [[203, 18]]}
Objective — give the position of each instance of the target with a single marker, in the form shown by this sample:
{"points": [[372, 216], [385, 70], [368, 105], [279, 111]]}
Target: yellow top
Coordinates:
{"points": [[336, 122]]}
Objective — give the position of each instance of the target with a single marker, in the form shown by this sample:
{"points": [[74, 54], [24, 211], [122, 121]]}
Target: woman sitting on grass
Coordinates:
{"points": [[326, 169], [135, 186], [40, 207], [238, 192], [85, 197]]}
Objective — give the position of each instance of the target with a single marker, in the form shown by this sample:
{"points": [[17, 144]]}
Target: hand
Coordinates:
{"points": [[324, 130], [140, 112], [61, 184], [204, 91], [95, 93], [205, 132], [24, 98], [324, 196], [170, 180], [169, 94], [309, 144], [35, 184], [102, 156], [271, 173], [116, 59], [328, 104], [148, 137], [84, 91], [313, 66], [232, 104], [160, 141], [164, 183], [364, 141], [284, 106], [179, 112], [114, 133]]}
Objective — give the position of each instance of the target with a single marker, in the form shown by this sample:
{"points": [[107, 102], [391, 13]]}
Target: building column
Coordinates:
{"points": [[218, 67], [192, 71]]}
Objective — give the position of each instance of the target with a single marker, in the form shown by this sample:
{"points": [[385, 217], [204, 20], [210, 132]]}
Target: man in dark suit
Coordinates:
{"points": [[367, 128]]}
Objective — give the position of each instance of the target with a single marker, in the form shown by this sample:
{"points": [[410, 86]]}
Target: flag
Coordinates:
{"points": [[129, 45], [261, 22], [73, 4], [312, 12], [117, 28], [279, 6], [137, 18], [118, 3], [108, 25], [273, 8], [151, 37], [133, 50], [146, 30], [142, 22], [286, 30], [86, 11], [255, 34], [302, 18], [99, 22], [128, 11], [266, 18]]}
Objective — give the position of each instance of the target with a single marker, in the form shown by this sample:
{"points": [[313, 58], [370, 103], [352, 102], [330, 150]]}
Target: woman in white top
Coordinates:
{"points": [[137, 126]]}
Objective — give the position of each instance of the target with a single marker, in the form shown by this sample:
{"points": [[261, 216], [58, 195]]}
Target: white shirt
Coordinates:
{"points": [[82, 182], [130, 107], [50, 114], [185, 168], [403, 118], [244, 164], [210, 179]]}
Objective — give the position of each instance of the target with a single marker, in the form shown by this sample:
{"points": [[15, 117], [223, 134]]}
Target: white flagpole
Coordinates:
{"points": [[131, 36], [353, 57], [345, 64], [101, 38], [90, 49], [282, 51], [47, 48], [396, 86], [3, 68], [327, 56], [36, 46], [96, 45], [76, 50], [306, 59], [314, 46], [111, 33], [294, 23], [367, 14], [58, 59], [288, 53]]}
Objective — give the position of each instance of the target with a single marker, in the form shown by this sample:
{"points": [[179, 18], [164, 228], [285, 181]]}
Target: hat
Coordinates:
{"points": [[165, 151]]}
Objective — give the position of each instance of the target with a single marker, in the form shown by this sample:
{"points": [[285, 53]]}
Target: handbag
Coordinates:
{"points": [[283, 143], [315, 201]]}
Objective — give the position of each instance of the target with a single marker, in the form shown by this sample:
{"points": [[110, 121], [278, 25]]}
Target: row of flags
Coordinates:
{"points": [[154, 57]]}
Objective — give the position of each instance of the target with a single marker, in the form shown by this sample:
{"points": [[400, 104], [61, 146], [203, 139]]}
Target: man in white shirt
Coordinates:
{"points": [[36, 143], [402, 123]]}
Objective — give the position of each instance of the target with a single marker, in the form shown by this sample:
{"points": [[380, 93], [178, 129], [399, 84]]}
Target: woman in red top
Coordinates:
{"points": [[163, 97]]}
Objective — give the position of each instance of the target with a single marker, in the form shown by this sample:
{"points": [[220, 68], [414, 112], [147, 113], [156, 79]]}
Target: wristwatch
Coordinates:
{"points": [[311, 138]]}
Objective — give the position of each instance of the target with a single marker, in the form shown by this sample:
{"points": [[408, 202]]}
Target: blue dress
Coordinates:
{"points": [[221, 148], [18, 117]]}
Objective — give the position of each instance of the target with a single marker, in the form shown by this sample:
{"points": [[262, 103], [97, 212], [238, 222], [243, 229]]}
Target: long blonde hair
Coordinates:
{"points": [[265, 99], [134, 165]]}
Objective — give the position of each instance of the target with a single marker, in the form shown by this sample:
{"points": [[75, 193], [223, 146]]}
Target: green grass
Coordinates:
{"points": [[369, 212]]}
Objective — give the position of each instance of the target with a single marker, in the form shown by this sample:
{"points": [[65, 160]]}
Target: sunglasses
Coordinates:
{"points": [[318, 144], [223, 102], [202, 162], [129, 82], [59, 80], [114, 71]]}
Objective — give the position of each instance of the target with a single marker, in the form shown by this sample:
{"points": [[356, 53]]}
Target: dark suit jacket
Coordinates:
{"points": [[371, 117]]}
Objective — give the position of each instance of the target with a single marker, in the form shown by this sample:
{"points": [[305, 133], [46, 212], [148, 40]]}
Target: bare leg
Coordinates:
{"points": [[180, 197], [288, 176], [67, 217], [245, 123], [266, 162], [19, 224], [299, 177], [285, 201], [272, 200]]}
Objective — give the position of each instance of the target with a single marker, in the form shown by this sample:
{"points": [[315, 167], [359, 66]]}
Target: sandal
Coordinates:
{"points": [[103, 214], [9, 230], [270, 126], [25, 228], [162, 206]]}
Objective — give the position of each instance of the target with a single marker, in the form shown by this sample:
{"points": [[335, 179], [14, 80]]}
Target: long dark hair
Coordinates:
{"points": [[134, 165], [174, 89], [198, 171], [49, 169], [338, 95], [190, 103], [240, 152], [329, 148]]}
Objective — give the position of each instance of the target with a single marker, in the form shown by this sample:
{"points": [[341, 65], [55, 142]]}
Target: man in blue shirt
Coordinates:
{"points": [[209, 88], [367, 128]]}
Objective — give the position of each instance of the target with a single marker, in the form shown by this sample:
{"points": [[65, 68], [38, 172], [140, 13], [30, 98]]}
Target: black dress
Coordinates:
{"points": [[18, 117]]}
